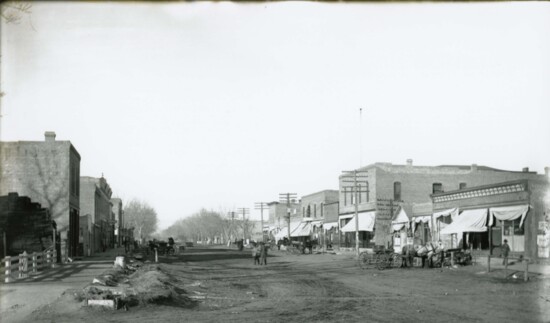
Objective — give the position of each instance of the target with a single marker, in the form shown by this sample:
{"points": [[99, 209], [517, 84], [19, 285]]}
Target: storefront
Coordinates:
{"points": [[400, 227], [365, 227], [483, 217]]}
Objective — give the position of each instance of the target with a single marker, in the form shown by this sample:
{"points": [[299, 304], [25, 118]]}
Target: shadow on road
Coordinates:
{"points": [[62, 271], [208, 254]]}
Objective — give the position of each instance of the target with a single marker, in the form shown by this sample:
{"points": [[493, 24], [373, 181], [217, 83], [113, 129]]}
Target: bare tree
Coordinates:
{"points": [[142, 217]]}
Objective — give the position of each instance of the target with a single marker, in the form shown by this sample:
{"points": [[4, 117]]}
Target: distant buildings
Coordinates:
{"points": [[95, 196], [48, 172]]}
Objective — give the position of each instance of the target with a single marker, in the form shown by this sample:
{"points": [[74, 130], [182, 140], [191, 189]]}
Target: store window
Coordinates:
{"points": [[462, 186], [437, 188]]}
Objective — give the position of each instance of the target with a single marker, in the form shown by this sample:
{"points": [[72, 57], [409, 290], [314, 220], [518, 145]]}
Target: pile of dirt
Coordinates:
{"points": [[135, 286]]}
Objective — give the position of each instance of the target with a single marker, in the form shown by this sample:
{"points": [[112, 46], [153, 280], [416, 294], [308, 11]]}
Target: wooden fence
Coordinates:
{"points": [[24, 264]]}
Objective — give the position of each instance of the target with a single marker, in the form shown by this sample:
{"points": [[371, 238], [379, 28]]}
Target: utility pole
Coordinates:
{"points": [[347, 178], [261, 206], [244, 211], [232, 214], [288, 197]]}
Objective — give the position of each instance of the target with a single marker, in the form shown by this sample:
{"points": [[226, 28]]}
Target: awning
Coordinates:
{"points": [[281, 234], [330, 225], [366, 222], [400, 221], [452, 212], [468, 221], [508, 213], [304, 229], [425, 219]]}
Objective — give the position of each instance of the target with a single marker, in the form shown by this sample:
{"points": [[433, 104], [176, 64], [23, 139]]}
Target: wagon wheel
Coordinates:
{"points": [[365, 260], [381, 261], [396, 260]]}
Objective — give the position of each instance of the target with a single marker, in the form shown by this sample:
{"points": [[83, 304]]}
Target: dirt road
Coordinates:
{"points": [[227, 287]]}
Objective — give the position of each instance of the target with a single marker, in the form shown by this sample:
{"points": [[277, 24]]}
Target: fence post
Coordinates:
{"points": [[8, 278], [34, 264], [156, 255], [488, 263], [506, 268], [526, 274]]}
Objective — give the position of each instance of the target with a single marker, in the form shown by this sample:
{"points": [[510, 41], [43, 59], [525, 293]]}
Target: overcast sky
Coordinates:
{"points": [[221, 105]]}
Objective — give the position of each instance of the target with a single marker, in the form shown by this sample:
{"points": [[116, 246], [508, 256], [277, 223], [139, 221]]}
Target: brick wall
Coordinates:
{"points": [[41, 170], [316, 202]]}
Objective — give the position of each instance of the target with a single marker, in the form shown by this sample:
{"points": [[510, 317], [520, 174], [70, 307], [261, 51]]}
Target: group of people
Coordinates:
{"points": [[259, 253]]}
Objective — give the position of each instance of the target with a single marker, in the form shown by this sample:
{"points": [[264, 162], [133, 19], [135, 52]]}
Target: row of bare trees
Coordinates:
{"points": [[210, 226]]}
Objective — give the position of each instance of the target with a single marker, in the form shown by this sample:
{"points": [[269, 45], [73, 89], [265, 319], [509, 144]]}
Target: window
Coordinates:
{"points": [[345, 196], [303, 211], [359, 192], [367, 192], [308, 211], [314, 210], [437, 188], [462, 186], [513, 228], [322, 207], [397, 191]]}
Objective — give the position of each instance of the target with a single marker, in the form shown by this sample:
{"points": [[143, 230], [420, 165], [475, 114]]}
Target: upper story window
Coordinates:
{"points": [[308, 211], [462, 186], [314, 210], [437, 188], [397, 191], [359, 192], [322, 207], [345, 196], [367, 192]]}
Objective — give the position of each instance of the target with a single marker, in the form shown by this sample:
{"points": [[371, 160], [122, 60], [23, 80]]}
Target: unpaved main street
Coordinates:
{"points": [[227, 287]]}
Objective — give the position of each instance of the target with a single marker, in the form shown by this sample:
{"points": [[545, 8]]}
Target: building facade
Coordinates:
{"points": [[48, 173], [95, 195], [384, 189], [482, 217]]}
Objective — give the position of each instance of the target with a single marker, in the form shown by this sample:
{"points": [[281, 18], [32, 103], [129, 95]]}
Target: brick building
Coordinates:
{"points": [[95, 201], [481, 217], [278, 218], [386, 188], [321, 208], [24, 225], [48, 173]]}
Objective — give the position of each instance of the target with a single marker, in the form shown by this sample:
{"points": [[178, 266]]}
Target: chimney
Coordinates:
{"points": [[409, 162], [49, 136], [474, 168], [525, 169]]}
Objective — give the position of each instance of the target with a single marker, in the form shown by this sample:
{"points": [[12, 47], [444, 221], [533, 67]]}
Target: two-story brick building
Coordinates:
{"points": [[386, 188], [321, 208], [48, 173], [96, 206], [278, 218], [482, 217]]}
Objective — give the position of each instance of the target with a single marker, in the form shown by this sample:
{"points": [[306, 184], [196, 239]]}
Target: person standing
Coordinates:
{"points": [[505, 251], [256, 254], [263, 254]]}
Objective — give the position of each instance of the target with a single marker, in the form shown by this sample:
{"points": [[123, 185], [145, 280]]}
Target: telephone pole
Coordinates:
{"points": [[261, 206], [287, 198], [352, 177], [244, 211], [231, 230]]}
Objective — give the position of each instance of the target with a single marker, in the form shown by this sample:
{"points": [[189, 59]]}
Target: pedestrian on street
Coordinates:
{"points": [[256, 254], [263, 254], [505, 251]]}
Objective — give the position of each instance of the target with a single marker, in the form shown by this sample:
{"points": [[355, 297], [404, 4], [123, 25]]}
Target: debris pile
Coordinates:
{"points": [[127, 285]]}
